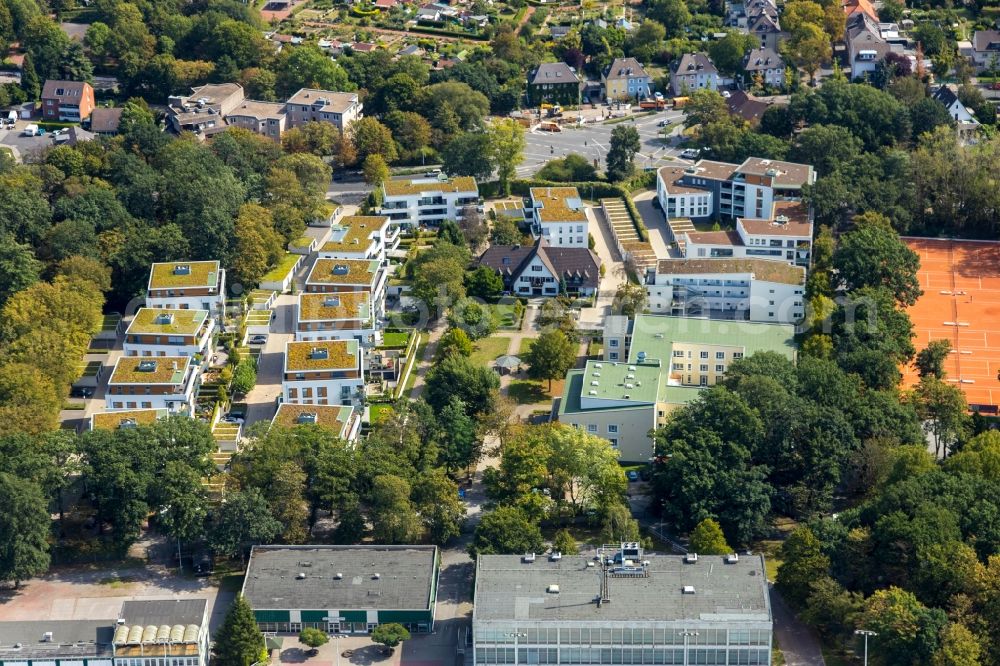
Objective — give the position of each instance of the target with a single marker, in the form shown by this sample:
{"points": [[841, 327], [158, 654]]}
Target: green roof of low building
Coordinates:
{"points": [[160, 321], [180, 274], [655, 335], [604, 380]]}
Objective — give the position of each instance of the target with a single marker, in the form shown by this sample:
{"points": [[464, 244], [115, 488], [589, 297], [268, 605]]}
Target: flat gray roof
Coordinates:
{"points": [[406, 577], [71, 639], [164, 611], [509, 589]]}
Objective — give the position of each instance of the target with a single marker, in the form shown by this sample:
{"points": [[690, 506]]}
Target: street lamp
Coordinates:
{"points": [[866, 633], [686, 635]]}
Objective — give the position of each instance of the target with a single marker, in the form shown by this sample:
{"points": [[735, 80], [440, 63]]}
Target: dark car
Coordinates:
{"points": [[81, 392], [203, 563], [632, 475]]}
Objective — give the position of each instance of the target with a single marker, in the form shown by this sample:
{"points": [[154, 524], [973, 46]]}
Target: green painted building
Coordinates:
{"points": [[342, 589]]}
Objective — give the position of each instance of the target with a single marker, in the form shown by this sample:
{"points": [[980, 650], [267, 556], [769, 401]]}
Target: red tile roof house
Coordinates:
{"points": [[67, 101]]}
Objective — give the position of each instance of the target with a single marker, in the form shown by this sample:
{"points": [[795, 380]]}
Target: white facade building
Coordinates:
{"points": [[557, 214], [694, 71], [339, 316], [187, 285], [141, 382], [627, 607], [360, 237], [162, 332], [427, 201], [744, 289], [323, 373]]}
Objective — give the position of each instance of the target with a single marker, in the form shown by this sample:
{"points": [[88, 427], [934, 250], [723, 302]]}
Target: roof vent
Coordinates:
{"points": [[306, 417], [332, 301], [340, 269], [591, 392], [781, 219], [338, 576], [528, 557], [47, 637], [376, 576], [319, 353], [146, 366], [300, 576], [595, 383], [552, 589], [631, 368], [598, 365], [164, 319], [732, 558], [688, 589], [641, 356], [182, 269], [628, 386], [555, 556], [690, 558]]}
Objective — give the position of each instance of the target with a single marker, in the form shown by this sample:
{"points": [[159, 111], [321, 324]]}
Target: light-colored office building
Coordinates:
{"points": [[557, 215], [739, 289], [627, 607], [652, 365], [416, 202]]}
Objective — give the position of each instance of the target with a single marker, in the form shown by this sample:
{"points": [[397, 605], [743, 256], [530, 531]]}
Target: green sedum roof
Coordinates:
{"points": [[656, 334]]}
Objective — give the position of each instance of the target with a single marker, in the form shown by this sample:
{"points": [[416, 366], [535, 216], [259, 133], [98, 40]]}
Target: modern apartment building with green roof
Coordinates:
{"points": [[652, 365]]}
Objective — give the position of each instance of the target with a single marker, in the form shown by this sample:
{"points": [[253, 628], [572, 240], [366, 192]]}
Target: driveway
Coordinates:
{"points": [[656, 223], [614, 272], [24, 146], [798, 642]]}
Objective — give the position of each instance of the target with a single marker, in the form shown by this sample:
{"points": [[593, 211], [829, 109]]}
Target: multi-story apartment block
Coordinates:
{"points": [[626, 78], [763, 196], [416, 202], [766, 64], [267, 118], [126, 418], [67, 101], [187, 285], [163, 382], [694, 71], [346, 315], [325, 372], [625, 606], [335, 276], [741, 289], [162, 332], [557, 214], [344, 421], [652, 365], [337, 108], [360, 237]]}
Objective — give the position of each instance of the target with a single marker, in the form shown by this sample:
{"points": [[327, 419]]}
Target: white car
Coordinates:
{"points": [[690, 154]]}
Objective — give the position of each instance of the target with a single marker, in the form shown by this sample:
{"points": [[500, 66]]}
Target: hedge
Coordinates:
{"points": [[449, 33]]}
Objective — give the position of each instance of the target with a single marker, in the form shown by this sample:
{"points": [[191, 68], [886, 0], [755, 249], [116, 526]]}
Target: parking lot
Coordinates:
{"points": [[86, 593], [24, 146], [593, 142]]}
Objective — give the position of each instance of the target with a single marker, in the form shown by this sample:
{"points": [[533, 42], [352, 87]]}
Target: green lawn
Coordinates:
{"points": [[395, 340], [525, 347], [487, 349], [595, 348], [534, 391], [379, 411]]}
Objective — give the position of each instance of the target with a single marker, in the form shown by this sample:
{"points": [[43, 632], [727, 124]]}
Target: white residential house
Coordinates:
{"points": [[694, 71], [341, 316], [742, 289], [416, 202], [164, 382], [865, 44], [965, 121], [626, 78], [344, 421], [767, 64], [162, 332], [187, 285], [333, 276], [985, 50], [325, 372], [542, 270], [557, 214], [360, 237], [340, 109]]}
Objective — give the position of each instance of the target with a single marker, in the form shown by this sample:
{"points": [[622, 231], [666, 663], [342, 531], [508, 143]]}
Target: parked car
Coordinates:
{"points": [[229, 418], [258, 339], [32, 130], [995, 86], [81, 392], [690, 154], [632, 475], [663, 123], [203, 563]]}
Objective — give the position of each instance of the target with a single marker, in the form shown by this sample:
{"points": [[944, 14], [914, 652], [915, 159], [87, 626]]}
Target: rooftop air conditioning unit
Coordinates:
{"points": [[528, 557], [732, 558], [688, 589], [690, 558], [552, 589], [555, 557]]}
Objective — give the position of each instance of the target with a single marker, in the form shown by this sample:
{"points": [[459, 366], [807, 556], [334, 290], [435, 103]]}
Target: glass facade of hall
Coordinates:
{"points": [[575, 644]]}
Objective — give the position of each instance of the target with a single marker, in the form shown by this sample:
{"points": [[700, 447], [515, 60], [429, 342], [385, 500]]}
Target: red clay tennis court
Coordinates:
{"points": [[961, 303]]}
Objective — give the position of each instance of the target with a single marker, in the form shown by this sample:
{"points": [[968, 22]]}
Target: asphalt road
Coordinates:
{"points": [[593, 141]]}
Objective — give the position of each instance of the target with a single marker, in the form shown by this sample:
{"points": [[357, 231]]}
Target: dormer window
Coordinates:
{"points": [[340, 269], [319, 354], [182, 269]]}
